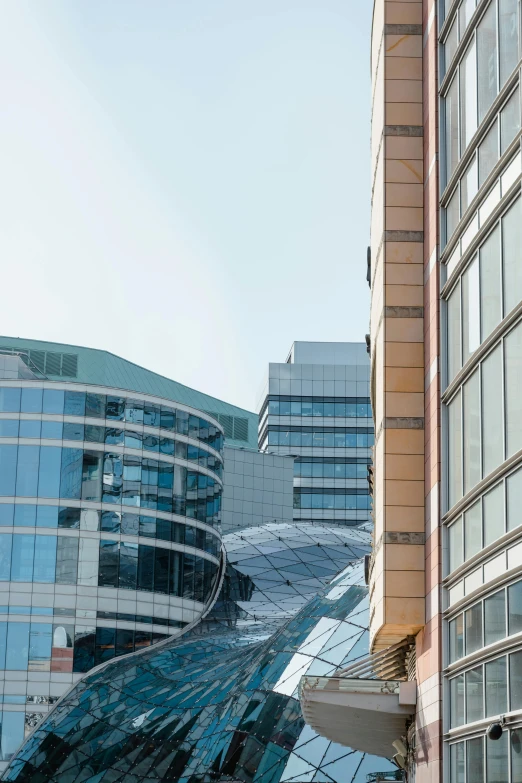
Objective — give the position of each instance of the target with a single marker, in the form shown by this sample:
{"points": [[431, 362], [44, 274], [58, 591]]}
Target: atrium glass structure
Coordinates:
{"points": [[482, 291], [221, 702], [110, 508], [316, 407]]}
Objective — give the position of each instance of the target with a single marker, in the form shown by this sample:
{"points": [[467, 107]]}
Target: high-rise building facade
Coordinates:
{"points": [[316, 407], [110, 517], [445, 574]]}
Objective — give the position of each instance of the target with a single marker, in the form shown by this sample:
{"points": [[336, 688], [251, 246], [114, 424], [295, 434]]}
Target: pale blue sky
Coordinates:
{"points": [[186, 183]]}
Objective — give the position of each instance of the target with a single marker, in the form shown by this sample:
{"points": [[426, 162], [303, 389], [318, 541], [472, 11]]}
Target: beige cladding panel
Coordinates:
{"points": [[397, 323]]}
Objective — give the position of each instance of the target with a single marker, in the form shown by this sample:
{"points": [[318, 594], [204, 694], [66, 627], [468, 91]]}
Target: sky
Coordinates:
{"points": [[186, 183]]}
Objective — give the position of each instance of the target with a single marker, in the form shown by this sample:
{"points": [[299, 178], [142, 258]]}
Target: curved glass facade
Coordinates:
{"points": [[110, 511], [221, 703], [482, 291]]}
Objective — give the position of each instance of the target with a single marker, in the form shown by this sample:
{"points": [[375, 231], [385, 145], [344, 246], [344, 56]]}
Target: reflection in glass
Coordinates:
{"points": [[490, 277], [493, 514], [473, 623], [488, 153], [487, 60], [473, 530], [455, 450], [511, 244], [468, 96], [496, 687], [492, 412], [475, 760], [474, 695], [471, 435], [495, 617], [457, 701], [513, 398]]}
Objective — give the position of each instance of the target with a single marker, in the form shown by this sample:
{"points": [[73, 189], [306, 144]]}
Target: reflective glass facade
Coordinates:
{"points": [[318, 410], [482, 360], [110, 538], [221, 702]]}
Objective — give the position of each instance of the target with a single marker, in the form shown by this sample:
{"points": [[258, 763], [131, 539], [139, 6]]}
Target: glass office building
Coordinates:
{"points": [[316, 407], [481, 270], [221, 703], [110, 517]]}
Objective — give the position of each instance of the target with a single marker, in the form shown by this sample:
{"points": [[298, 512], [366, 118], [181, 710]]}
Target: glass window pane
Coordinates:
{"points": [[511, 244], [92, 475], [516, 756], [488, 153], [52, 430], [455, 450], [474, 695], [17, 654], [31, 400], [473, 625], [40, 643], [471, 435], [145, 567], [495, 617], [49, 473], [496, 687], [509, 121], [490, 276], [452, 213], [455, 545], [457, 701], [450, 45], [95, 405], [44, 559], [128, 571], [515, 608], [67, 561], [515, 681], [475, 760], [473, 530], [84, 644], [8, 428], [105, 645], [487, 60], [161, 570], [493, 513], [492, 414], [8, 460], [469, 185], [27, 471], [451, 106], [22, 558], [10, 400], [470, 311], [457, 763], [6, 543], [466, 10], [71, 473], [508, 39], [88, 560], [468, 96], [513, 398], [12, 733], [456, 638], [30, 428], [25, 515], [108, 568], [74, 403], [53, 401]]}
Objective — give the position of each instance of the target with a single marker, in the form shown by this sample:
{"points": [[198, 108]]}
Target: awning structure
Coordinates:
{"points": [[366, 706]]}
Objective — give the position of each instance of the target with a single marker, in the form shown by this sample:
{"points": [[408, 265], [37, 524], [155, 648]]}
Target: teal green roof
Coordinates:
{"points": [[59, 361]]}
